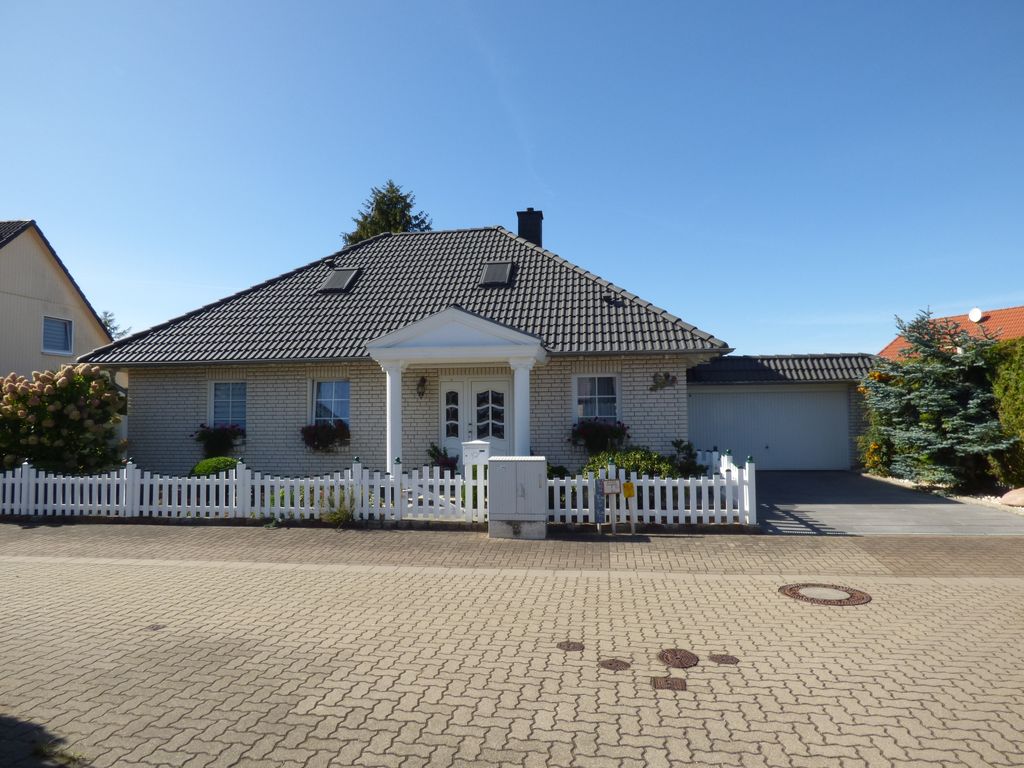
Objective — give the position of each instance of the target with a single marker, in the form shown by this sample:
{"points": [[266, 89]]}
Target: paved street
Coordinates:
{"points": [[851, 503], [155, 645]]}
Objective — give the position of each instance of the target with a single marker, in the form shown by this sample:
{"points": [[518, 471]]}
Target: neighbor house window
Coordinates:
{"points": [[56, 335], [229, 403], [330, 402], [596, 398]]}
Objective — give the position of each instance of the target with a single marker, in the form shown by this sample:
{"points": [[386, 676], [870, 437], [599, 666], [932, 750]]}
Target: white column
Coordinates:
{"points": [[393, 371], [521, 405]]}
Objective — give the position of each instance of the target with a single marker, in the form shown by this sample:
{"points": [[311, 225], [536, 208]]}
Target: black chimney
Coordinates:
{"points": [[530, 226]]}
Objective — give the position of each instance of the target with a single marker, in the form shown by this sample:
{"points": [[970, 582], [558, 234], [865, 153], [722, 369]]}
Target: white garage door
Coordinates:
{"points": [[782, 427]]}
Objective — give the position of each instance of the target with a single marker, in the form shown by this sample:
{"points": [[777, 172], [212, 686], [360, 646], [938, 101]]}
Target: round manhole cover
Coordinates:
{"points": [[723, 658], [570, 645], [678, 658], [668, 683], [615, 665], [825, 594]]}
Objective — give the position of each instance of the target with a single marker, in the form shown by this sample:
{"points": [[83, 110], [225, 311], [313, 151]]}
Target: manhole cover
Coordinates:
{"points": [[570, 645], [825, 594], [155, 627], [615, 665], [668, 683], [723, 658], [678, 658]]}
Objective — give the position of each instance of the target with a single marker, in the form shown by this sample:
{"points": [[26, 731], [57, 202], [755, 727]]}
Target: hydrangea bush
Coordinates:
{"points": [[62, 421]]}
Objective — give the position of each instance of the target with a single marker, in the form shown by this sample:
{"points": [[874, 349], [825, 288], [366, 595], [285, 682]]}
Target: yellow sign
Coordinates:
{"points": [[628, 489]]}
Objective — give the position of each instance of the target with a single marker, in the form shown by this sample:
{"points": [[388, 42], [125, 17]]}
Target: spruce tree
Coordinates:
{"points": [[388, 209], [933, 413]]}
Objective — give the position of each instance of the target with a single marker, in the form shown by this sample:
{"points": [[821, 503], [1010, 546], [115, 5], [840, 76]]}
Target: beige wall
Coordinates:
{"points": [[32, 285], [166, 405]]}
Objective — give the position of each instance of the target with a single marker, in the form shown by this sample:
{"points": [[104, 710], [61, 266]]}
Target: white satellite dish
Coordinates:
{"points": [[974, 315]]}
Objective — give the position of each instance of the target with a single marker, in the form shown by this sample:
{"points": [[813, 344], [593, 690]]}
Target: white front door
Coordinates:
{"points": [[476, 409]]}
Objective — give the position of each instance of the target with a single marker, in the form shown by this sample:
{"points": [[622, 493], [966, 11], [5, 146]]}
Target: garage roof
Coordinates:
{"points": [[768, 369]]}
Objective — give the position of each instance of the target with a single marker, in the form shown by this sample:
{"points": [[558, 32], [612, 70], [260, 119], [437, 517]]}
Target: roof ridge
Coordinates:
{"points": [[612, 287]]}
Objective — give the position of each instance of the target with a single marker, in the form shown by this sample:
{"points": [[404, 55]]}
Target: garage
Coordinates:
{"points": [[792, 412]]}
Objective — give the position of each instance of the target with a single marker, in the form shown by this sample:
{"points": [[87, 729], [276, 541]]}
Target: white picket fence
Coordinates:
{"points": [[726, 497]]}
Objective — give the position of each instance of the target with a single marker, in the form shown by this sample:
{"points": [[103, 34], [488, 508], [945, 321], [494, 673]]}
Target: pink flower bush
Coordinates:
{"points": [[60, 422]]}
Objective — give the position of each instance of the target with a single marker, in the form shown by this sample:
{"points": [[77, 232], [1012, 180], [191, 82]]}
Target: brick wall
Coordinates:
{"points": [[166, 405]]}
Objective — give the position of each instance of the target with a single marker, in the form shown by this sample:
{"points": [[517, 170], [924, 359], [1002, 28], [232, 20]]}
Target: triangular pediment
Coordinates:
{"points": [[454, 334]]}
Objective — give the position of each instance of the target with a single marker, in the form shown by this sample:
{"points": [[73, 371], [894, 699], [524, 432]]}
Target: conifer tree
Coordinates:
{"points": [[933, 413], [388, 209]]}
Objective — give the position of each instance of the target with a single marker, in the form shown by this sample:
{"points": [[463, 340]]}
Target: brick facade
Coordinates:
{"points": [[167, 404]]}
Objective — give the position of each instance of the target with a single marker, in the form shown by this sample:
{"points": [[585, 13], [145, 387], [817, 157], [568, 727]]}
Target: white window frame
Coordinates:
{"points": [[210, 400], [574, 397], [71, 336], [312, 398]]}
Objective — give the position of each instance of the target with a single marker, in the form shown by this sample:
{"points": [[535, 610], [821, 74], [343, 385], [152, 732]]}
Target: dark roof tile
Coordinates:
{"points": [[768, 369]]}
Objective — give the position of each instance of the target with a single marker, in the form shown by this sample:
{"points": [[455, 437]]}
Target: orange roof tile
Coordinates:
{"points": [[1003, 324]]}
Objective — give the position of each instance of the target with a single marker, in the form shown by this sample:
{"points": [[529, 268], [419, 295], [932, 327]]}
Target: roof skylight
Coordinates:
{"points": [[496, 274], [340, 280]]}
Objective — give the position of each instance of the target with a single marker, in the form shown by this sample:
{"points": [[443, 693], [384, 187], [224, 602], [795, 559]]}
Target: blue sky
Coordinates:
{"points": [[785, 175]]}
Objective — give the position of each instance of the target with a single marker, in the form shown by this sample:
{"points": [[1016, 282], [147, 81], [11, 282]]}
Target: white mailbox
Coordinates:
{"points": [[517, 504]]}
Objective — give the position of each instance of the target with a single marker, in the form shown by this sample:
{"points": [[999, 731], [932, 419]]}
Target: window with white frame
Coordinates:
{"points": [[229, 403], [596, 398], [330, 402], [57, 335]]}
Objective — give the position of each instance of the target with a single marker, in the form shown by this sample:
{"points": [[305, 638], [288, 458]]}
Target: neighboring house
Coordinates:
{"points": [[413, 339], [787, 411], [47, 322], [1002, 324]]}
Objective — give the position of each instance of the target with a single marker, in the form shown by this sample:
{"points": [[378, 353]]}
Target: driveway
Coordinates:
{"points": [[847, 503], [137, 646]]}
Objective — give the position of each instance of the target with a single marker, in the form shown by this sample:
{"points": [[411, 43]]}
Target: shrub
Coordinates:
{"points": [[439, 458], [596, 435], [557, 470], [213, 466], [338, 513], [643, 461], [60, 422], [325, 435], [1008, 387], [217, 441], [686, 459]]}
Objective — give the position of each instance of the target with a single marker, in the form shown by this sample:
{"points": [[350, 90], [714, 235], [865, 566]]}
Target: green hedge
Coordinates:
{"points": [[640, 460], [1008, 387], [214, 465]]}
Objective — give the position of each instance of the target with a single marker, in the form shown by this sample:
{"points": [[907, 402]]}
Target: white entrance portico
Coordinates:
{"points": [[454, 337]]}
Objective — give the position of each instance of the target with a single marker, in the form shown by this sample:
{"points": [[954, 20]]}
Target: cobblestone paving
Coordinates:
{"points": [[147, 646]]}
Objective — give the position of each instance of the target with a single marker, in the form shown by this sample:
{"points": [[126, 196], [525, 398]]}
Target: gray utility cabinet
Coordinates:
{"points": [[517, 497]]}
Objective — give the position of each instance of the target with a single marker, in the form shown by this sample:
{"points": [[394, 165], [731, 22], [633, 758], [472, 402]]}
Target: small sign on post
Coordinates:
{"points": [[611, 486], [629, 489]]}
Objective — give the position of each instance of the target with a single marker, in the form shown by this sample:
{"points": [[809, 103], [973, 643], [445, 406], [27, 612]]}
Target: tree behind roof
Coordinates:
{"points": [[933, 413], [388, 209]]}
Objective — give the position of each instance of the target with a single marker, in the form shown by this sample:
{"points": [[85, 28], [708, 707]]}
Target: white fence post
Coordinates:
{"points": [[243, 483], [751, 492], [131, 490], [27, 501]]}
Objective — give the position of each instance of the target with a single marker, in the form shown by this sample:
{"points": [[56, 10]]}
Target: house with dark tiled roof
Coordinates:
{"points": [[412, 339], [46, 319], [1002, 324]]}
